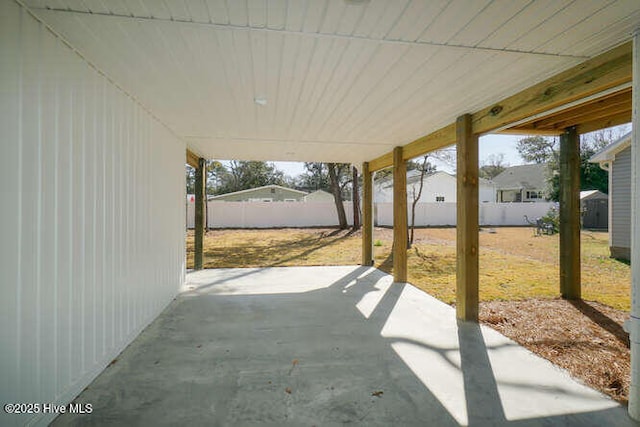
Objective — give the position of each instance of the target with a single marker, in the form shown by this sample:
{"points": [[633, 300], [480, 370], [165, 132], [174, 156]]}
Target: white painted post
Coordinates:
{"points": [[633, 326]]}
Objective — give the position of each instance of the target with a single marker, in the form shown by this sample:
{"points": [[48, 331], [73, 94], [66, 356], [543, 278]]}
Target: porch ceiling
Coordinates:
{"points": [[341, 80]]}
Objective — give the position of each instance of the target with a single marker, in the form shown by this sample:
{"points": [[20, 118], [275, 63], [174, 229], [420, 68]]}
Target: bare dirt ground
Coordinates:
{"points": [[518, 286]]}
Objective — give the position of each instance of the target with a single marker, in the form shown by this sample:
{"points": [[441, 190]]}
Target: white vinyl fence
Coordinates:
{"points": [[444, 214], [314, 214]]}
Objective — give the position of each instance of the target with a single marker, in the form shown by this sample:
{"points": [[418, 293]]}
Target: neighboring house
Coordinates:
{"points": [[523, 183], [268, 193], [319, 196], [616, 158], [438, 187], [594, 205]]}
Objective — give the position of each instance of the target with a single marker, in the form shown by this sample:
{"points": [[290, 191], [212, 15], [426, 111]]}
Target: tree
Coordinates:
{"points": [[493, 166], [537, 149], [216, 174], [355, 197], [315, 178], [243, 175], [331, 177], [424, 168], [190, 177], [592, 176], [335, 170]]}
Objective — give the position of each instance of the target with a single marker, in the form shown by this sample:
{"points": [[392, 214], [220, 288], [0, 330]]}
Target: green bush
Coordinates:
{"points": [[552, 217]]}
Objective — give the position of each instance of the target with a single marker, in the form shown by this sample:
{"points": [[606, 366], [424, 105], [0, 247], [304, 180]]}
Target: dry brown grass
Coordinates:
{"points": [[586, 338], [514, 264], [518, 286]]}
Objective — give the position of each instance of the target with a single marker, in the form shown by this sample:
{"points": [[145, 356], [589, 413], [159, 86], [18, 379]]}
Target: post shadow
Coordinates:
{"points": [[602, 320], [484, 406]]}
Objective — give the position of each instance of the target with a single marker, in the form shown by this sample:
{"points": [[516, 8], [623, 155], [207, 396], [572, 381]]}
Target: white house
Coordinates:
{"points": [[616, 158], [438, 187]]}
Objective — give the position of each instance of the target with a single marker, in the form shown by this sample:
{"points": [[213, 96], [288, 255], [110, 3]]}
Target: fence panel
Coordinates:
{"points": [[444, 214], [323, 214], [274, 214]]}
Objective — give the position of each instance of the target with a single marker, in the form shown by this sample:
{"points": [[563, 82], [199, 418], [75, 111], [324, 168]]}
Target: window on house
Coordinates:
{"points": [[273, 190], [289, 200], [439, 198]]}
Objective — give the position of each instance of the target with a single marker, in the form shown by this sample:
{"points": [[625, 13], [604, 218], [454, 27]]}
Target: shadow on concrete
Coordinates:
{"points": [[295, 358]]}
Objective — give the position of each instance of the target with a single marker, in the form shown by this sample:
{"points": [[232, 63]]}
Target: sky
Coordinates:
{"points": [[489, 144]]}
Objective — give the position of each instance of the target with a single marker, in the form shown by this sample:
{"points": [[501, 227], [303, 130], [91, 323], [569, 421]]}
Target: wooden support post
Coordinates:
{"points": [[399, 216], [570, 214], [200, 195], [467, 273], [367, 215]]}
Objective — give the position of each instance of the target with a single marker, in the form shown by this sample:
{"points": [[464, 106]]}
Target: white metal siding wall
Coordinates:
{"points": [[91, 222], [621, 200]]}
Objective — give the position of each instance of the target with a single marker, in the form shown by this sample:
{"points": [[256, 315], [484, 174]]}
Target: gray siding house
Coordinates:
{"points": [[268, 193], [523, 183], [616, 158]]}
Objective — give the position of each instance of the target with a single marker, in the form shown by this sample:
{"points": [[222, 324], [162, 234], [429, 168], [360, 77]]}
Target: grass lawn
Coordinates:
{"points": [[514, 264]]}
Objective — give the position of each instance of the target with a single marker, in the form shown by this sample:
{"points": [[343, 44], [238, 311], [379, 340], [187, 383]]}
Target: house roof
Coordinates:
{"points": [[249, 190], [609, 152], [330, 81], [529, 177], [592, 194], [319, 193]]}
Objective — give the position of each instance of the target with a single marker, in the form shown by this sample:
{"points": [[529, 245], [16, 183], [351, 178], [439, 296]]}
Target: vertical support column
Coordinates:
{"points": [[367, 215], [633, 325], [467, 229], [399, 216], [570, 214], [199, 214]]}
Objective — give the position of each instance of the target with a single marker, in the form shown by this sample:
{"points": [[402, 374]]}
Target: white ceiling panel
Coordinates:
{"points": [[328, 80], [453, 20]]}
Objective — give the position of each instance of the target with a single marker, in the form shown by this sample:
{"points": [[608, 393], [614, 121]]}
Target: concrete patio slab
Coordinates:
{"points": [[325, 346]]}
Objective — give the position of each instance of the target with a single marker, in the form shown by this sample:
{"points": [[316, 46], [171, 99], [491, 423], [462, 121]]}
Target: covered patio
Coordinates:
{"points": [[293, 346], [102, 104]]}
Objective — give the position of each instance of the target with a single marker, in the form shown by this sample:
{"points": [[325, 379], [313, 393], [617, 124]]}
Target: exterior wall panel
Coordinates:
{"points": [[92, 221], [621, 202]]}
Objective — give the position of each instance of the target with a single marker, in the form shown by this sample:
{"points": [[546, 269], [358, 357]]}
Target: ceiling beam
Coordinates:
{"points": [[610, 105], [192, 159], [608, 122], [527, 131], [434, 141], [610, 69], [382, 162], [596, 75], [589, 117]]}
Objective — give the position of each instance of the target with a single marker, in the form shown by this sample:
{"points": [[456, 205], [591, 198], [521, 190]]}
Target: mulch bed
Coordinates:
{"points": [[585, 338]]}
